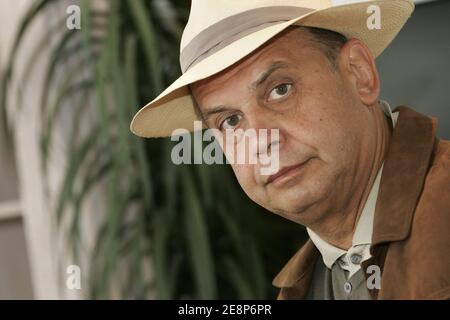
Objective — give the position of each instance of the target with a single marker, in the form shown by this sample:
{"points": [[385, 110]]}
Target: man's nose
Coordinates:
{"points": [[268, 133]]}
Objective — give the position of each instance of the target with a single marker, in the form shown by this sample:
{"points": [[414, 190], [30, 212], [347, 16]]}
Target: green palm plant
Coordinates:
{"points": [[192, 225]]}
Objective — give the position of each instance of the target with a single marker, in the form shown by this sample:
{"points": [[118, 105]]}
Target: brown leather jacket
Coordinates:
{"points": [[411, 236]]}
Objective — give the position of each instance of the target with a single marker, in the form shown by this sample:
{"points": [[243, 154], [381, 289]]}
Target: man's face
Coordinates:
{"points": [[290, 85]]}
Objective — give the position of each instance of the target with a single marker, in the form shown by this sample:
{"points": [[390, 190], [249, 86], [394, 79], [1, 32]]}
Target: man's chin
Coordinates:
{"points": [[295, 205], [291, 209]]}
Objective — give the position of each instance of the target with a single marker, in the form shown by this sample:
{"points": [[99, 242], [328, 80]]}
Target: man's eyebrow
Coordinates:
{"points": [[214, 110], [263, 77]]}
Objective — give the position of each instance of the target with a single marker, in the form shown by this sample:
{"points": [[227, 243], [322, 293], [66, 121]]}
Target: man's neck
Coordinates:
{"points": [[338, 230]]}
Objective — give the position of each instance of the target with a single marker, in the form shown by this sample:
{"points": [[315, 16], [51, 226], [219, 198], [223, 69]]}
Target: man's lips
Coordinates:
{"points": [[286, 172]]}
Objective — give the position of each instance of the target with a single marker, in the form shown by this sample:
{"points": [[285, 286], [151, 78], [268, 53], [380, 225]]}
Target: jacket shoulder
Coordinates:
{"points": [[430, 237]]}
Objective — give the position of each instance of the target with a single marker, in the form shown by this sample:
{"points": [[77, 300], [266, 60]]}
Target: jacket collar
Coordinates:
{"points": [[299, 268], [405, 168]]}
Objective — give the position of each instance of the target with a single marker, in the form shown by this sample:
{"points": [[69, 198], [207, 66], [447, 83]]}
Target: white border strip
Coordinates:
{"points": [[340, 2]]}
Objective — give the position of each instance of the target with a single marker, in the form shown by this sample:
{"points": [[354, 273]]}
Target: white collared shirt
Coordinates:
{"points": [[351, 259]]}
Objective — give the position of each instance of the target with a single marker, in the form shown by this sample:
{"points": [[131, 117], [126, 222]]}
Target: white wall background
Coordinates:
{"points": [[46, 246], [37, 221]]}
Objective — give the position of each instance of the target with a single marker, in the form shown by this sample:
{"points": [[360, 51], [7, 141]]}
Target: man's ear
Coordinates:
{"points": [[358, 63]]}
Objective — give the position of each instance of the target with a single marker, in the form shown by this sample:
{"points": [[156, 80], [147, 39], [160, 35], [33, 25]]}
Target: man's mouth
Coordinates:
{"points": [[286, 173]]}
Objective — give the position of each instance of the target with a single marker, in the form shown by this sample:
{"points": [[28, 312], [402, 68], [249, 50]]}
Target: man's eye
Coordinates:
{"points": [[230, 122], [280, 91]]}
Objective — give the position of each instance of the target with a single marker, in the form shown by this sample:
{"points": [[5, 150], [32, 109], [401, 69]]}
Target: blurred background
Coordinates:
{"points": [[78, 189]]}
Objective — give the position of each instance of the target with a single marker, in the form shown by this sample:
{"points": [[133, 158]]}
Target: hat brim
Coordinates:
{"points": [[174, 108]]}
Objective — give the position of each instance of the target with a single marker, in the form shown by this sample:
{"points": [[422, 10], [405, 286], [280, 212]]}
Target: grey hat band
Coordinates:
{"points": [[233, 28]]}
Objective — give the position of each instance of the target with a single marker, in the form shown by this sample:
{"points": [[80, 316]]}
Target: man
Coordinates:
{"points": [[372, 186]]}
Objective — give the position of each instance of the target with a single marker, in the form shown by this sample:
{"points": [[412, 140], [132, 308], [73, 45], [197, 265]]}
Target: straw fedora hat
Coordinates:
{"points": [[219, 33]]}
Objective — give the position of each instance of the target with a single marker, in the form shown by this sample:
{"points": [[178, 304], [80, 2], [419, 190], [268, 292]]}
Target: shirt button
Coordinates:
{"points": [[348, 287], [356, 259]]}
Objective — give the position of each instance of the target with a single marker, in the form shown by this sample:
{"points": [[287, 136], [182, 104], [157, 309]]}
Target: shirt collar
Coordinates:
{"points": [[388, 111]]}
